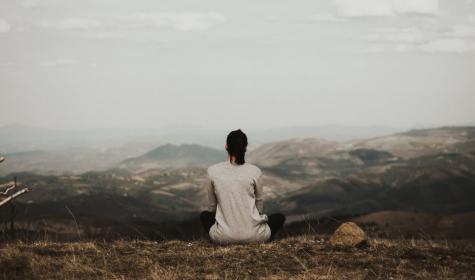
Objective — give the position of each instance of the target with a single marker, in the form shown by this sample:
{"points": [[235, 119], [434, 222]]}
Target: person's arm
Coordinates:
{"points": [[212, 201], [258, 193]]}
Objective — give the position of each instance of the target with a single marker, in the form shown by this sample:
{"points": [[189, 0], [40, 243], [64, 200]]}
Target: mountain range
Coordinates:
{"points": [[429, 171], [74, 151]]}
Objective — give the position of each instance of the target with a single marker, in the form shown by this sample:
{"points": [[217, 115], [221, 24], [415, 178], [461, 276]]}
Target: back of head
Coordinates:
{"points": [[236, 145]]}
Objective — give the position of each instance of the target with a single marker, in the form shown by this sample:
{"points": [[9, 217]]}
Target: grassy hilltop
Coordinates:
{"points": [[301, 257]]}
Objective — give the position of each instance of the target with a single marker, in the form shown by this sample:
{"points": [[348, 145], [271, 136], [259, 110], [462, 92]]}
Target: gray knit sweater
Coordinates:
{"points": [[235, 193]]}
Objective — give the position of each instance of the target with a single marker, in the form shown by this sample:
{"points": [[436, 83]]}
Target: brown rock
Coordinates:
{"points": [[348, 235]]}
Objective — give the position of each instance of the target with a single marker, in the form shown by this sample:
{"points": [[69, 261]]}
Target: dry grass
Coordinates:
{"points": [[302, 257]]}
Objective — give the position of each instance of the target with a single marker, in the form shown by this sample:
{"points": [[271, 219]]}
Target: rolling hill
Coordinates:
{"points": [[176, 156]]}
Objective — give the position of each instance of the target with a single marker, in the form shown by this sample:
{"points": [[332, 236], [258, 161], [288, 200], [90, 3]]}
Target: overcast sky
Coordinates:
{"points": [[228, 64]]}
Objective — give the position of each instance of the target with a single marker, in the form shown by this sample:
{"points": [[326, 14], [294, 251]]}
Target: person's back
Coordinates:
{"points": [[235, 210], [237, 217]]}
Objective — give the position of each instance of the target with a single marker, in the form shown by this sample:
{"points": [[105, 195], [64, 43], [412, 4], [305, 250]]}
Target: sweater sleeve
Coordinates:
{"points": [[212, 201], [258, 192]]}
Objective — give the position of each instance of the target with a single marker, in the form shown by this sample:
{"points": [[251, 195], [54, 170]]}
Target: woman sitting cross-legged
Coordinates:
{"points": [[235, 212]]}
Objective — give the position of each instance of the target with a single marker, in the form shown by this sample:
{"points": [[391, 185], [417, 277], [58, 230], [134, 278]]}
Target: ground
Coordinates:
{"points": [[298, 257]]}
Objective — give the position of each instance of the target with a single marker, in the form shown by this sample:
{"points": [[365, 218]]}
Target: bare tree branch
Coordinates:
{"points": [[13, 196], [7, 184], [10, 186]]}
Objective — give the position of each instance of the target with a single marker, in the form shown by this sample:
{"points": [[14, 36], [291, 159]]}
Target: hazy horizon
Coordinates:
{"points": [[184, 126], [100, 64]]}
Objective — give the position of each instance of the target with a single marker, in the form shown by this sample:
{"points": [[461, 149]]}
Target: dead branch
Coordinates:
{"points": [[9, 186], [13, 196]]}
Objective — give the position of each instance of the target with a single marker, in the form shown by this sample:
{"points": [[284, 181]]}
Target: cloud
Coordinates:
{"points": [[399, 35], [7, 64], [444, 45], [107, 35], [30, 4], [384, 8], [458, 38], [421, 43], [463, 31], [448, 45], [72, 23], [78, 23], [58, 62], [326, 18], [421, 35], [4, 26], [177, 21]]}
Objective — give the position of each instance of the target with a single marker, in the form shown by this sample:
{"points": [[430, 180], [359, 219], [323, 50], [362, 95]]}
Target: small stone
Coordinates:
{"points": [[348, 235]]}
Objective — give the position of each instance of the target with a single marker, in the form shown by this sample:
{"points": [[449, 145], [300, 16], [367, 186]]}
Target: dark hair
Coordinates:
{"points": [[237, 144]]}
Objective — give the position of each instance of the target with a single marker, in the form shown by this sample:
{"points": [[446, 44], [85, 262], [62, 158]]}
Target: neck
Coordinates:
{"points": [[232, 159]]}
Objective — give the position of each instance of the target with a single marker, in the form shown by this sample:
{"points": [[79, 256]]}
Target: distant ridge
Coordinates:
{"points": [[170, 155]]}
